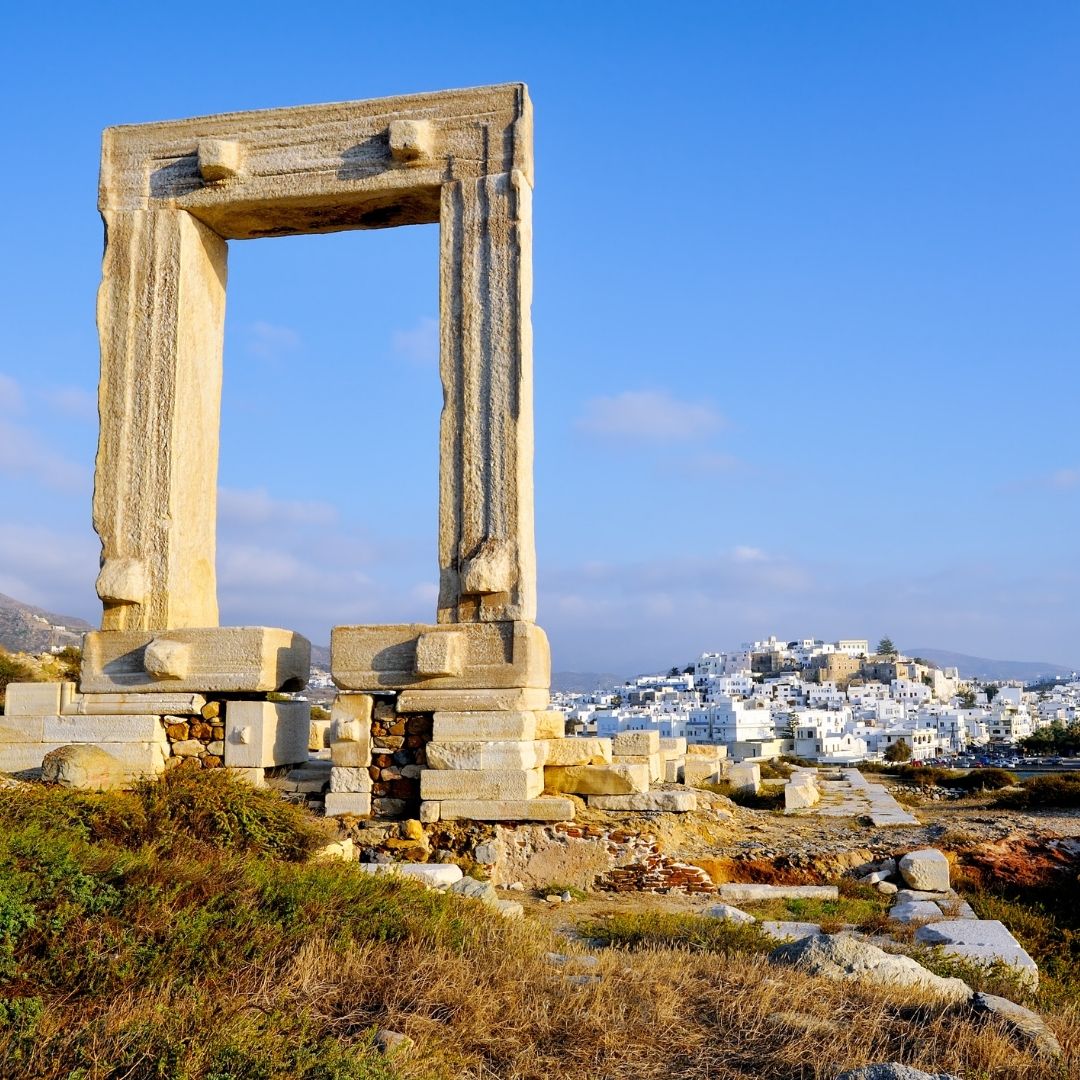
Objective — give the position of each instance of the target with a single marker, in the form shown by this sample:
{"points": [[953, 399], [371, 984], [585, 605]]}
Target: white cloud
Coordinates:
{"points": [[269, 341], [25, 453], [748, 554], [55, 570], [649, 415], [420, 344], [255, 506], [1065, 479]]}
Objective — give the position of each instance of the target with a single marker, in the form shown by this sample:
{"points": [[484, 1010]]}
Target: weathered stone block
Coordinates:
{"points": [[745, 776], [502, 784], [926, 869], [550, 724], [636, 743], [350, 755], [544, 809], [583, 751], [698, 769], [236, 659], [32, 699], [654, 763], [670, 802], [22, 729], [462, 656], [345, 779], [673, 770], [123, 704], [508, 700], [597, 779], [338, 803], [259, 734], [672, 747], [102, 729], [472, 754], [483, 726]]}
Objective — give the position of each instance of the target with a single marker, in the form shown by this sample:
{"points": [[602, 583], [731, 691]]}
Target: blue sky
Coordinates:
{"points": [[805, 318]]}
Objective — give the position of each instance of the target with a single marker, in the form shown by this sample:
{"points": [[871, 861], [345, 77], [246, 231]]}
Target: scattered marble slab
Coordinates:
{"points": [[982, 940]]}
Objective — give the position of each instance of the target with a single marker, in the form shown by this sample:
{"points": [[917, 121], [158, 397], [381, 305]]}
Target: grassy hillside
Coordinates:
{"points": [[183, 931]]}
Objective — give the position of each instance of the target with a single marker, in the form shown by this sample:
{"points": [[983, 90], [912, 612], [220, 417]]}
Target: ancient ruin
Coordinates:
{"points": [[460, 704]]}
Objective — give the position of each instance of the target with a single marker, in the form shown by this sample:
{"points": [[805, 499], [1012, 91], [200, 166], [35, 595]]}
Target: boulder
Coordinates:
{"points": [[437, 875], [840, 956], [1027, 1027], [83, 765], [893, 1070], [926, 870]]}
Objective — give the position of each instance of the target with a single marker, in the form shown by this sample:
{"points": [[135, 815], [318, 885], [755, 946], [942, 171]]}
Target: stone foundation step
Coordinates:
{"points": [[545, 808], [312, 778]]}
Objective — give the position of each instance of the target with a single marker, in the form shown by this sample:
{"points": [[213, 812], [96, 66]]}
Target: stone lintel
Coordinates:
{"points": [[234, 659], [318, 168], [446, 656]]}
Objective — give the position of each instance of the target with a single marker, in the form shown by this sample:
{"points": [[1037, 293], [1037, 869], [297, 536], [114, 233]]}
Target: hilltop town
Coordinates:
{"points": [[834, 703]]}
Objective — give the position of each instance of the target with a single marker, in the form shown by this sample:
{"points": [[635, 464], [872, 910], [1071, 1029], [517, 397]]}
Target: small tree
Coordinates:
{"points": [[885, 647], [967, 698], [899, 751], [991, 693], [673, 672]]}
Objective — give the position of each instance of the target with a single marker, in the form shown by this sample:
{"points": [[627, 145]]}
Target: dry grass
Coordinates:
{"points": [[121, 961]]}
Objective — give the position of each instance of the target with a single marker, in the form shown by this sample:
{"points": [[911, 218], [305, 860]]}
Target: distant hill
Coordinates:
{"points": [[25, 628], [978, 667], [320, 656], [583, 682]]}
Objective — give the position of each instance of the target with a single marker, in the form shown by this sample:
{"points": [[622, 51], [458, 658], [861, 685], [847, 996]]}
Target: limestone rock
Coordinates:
{"points": [[789, 930], [729, 914], [394, 1043], [582, 751], [648, 802], [84, 766], [926, 869], [893, 1070], [597, 779], [1027, 1027], [840, 956], [437, 875]]}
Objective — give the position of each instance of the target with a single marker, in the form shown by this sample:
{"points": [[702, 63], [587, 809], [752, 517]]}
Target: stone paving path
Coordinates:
{"points": [[855, 796]]}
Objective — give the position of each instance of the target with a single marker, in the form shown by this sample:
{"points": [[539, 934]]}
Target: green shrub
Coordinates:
{"points": [[1055, 790], [985, 780]]}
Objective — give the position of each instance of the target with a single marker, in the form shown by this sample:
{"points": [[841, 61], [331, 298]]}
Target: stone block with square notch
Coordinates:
{"points": [[259, 734], [448, 656], [226, 659]]}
